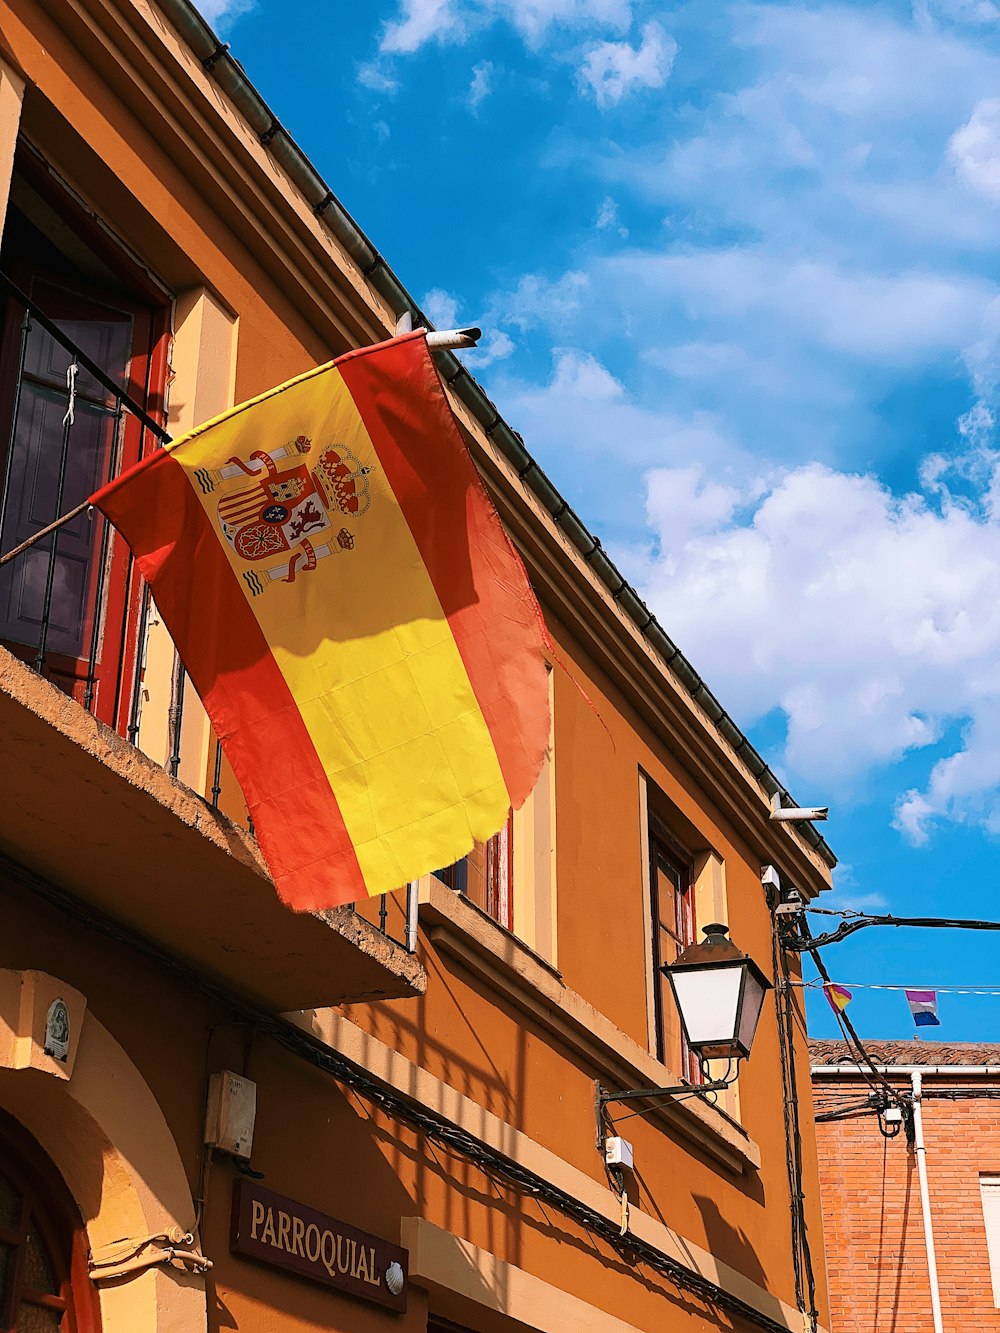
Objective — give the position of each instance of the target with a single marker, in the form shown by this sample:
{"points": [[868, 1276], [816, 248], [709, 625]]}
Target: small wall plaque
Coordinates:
{"points": [[57, 1031]]}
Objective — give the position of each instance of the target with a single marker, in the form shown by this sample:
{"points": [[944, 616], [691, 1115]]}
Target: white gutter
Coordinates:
{"points": [[961, 1071], [920, 1152]]}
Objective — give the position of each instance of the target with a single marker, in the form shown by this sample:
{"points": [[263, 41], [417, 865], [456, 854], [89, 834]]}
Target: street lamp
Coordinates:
{"points": [[719, 993]]}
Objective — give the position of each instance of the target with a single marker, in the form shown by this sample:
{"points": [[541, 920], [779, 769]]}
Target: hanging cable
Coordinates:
{"points": [[805, 1286], [804, 942], [851, 922]]}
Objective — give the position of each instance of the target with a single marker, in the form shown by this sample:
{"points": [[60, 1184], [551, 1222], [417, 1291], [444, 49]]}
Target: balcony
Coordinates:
{"points": [[89, 681]]}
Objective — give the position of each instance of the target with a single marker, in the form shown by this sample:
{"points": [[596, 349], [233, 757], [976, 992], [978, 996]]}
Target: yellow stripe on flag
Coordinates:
{"points": [[389, 706]]}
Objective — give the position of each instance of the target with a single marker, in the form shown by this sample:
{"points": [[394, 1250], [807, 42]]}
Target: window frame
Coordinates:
{"points": [[497, 857], [48, 1205], [149, 308], [990, 1183], [666, 853]]}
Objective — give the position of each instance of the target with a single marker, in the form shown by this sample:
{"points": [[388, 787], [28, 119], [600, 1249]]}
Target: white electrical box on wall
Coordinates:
{"points": [[229, 1117], [618, 1152]]}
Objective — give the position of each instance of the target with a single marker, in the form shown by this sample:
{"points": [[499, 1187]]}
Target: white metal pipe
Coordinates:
{"points": [[451, 338], [412, 917], [920, 1152]]}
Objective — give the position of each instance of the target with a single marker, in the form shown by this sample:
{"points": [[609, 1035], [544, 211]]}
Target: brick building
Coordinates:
{"points": [[876, 1252]]}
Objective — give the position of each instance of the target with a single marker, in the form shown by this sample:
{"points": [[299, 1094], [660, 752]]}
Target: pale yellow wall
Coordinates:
{"points": [[647, 914], [11, 94], [710, 904], [203, 362], [534, 855], [99, 1122]]}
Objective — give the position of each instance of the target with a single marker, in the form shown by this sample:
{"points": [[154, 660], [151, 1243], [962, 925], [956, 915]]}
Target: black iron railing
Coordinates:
{"points": [[73, 605]]}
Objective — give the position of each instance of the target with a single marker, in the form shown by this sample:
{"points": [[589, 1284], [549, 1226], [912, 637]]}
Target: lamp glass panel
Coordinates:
{"points": [[708, 1000], [753, 1000]]}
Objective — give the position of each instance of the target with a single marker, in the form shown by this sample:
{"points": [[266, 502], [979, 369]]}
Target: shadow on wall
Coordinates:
{"points": [[729, 1243], [897, 1258], [452, 1192]]}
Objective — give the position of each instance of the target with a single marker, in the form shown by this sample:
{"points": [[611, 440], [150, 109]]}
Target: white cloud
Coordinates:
{"points": [[607, 218], [835, 141], [375, 75], [849, 898], [482, 83], [444, 312], [495, 346], [586, 408], [612, 69], [441, 308], [451, 21], [419, 22], [871, 620], [977, 13], [894, 315], [821, 294], [582, 375], [538, 301], [751, 321], [975, 149], [224, 11]]}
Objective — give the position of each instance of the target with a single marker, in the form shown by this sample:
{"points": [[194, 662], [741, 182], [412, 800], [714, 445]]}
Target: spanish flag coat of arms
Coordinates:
{"points": [[354, 617]]}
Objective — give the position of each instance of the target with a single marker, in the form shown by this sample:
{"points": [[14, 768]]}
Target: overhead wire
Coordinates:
{"points": [[811, 946], [853, 921], [943, 989]]}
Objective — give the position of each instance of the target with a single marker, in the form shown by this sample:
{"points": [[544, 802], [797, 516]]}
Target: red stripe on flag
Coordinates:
{"points": [[296, 817], [489, 603]]}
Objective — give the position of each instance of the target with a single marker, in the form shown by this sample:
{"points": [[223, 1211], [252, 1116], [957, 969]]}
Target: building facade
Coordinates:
{"points": [[879, 1270], [217, 1114]]}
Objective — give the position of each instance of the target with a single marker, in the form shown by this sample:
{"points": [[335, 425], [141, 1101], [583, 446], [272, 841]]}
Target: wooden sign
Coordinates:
{"points": [[288, 1235]]}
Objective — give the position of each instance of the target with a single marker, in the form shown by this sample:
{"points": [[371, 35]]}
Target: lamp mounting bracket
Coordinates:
{"points": [[603, 1098]]}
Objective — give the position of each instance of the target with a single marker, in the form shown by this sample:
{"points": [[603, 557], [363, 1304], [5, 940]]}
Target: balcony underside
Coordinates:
{"points": [[86, 811]]}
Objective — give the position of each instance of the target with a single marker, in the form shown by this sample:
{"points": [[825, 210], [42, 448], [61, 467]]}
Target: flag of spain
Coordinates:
{"points": [[354, 617]]}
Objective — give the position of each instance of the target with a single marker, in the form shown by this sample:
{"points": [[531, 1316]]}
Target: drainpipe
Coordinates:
{"points": [[920, 1152]]}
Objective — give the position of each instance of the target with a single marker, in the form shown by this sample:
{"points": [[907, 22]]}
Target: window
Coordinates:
{"points": [[75, 614], [671, 899], [512, 877], [486, 876], [989, 1191], [44, 1287]]}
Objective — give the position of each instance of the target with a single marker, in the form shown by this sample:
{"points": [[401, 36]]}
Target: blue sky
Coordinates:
{"points": [[737, 266]]}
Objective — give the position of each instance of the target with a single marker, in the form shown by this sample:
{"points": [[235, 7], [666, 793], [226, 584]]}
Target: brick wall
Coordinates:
{"points": [[873, 1224]]}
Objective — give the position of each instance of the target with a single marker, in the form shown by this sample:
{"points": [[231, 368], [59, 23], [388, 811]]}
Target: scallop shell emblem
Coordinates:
{"points": [[394, 1278]]}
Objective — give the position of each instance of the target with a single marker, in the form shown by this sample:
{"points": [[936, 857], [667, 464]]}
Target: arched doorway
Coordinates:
{"points": [[44, 1284]]}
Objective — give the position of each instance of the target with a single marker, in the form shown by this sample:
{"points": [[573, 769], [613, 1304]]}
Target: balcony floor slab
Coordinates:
{"points": [[88, 812]]}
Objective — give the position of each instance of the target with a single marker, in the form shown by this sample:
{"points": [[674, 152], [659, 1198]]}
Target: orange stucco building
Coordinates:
{"points": [[216, 1114]]}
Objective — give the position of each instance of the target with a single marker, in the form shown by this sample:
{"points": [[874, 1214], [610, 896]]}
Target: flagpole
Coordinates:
{"points": [[44, 532], [446, 339]]}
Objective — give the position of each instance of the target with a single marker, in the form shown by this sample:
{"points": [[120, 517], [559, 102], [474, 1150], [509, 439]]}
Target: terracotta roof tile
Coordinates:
{"points": [[908, 1052]]}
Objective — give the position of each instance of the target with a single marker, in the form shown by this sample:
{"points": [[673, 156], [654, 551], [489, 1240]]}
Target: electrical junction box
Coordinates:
{"points": [[893, 1115], [618, 1152], [770, 878], [230, 1115]]}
